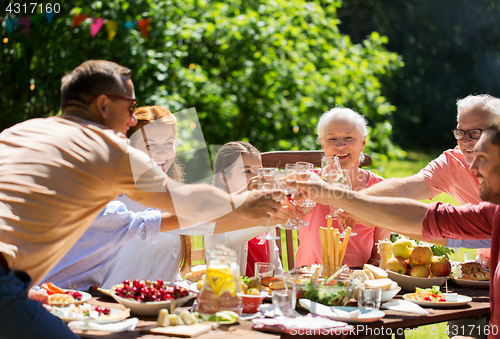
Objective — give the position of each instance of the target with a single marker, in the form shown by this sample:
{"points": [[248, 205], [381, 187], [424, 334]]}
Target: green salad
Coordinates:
{"points": [[337, 293]]}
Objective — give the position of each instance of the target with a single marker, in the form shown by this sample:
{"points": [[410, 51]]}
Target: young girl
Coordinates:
{"points": [[235, 167]]}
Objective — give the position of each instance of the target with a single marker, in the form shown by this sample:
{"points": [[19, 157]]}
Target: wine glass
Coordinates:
{"points": [[301, 167], [332, 173], [346, 184], [291, 224], [268, 179]]}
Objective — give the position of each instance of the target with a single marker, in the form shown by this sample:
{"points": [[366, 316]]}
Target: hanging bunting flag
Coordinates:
{"points": [[143, 25], [111, 27], [78, 19], [130, 24], [96, 25], [11, 24], [50, 16], [24, 24]]}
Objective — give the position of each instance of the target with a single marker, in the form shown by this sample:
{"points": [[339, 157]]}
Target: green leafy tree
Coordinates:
{"points": [[451, 50], [262, 71]]}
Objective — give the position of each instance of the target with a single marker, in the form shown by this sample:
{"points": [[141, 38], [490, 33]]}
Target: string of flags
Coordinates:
{"points": [[112, 26]]}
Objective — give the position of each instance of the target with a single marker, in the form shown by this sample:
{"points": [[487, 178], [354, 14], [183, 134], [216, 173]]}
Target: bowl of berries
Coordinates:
{"points": [[148, 297]]}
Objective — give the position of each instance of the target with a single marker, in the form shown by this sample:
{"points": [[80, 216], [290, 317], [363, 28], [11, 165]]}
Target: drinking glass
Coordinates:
{"points": [[268, 179], [263, 269], [282, 303], [302, 166], [332, 173], [291, 224], [370, 298], [346, 184]]}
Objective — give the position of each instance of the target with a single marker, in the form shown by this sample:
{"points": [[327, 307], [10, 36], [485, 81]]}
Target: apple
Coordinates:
{"points": [[420, 271], [402, 248], [396, 264], [421, 256], [440, 267]]}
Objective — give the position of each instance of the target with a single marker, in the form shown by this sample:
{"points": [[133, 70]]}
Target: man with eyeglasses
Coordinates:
{"points": [[449, 173], [58, 173]]}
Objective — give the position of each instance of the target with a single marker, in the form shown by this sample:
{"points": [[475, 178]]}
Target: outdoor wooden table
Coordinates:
{"points": [[479, 307]]}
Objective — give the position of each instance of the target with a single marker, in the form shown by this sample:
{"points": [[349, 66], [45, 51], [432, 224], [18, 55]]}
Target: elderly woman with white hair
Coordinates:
{"points": [[342, 133]]}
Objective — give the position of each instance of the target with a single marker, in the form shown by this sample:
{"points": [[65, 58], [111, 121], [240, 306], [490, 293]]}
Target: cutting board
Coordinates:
{"points": [[183, 331]]}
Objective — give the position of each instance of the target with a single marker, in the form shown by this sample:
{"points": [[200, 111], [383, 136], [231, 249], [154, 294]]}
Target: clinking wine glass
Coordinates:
{"points": [[332, 173], [268, 179], [346, 184], [291, 224], [302, 167]]}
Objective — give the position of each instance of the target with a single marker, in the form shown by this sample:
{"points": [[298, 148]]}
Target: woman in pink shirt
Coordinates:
{"points": [[342, 133]]}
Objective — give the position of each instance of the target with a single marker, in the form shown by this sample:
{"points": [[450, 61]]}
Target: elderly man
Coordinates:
{"points": [[449, 173], [437, 220], [58, 173]]}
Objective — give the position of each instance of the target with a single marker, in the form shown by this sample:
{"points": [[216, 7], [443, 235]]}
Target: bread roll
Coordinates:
{"points": [[196, 273], [277, 285], [384, 284], [377, 271]]}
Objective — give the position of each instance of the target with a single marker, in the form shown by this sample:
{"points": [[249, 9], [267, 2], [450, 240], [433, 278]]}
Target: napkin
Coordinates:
{"points": [[309, 324], [404, 306], [126, 325], [328, 311]]}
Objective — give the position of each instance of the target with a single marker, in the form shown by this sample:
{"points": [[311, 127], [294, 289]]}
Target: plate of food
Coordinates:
{"points": [[62, 297], [470, 274], [432, 297], [89, 312]]}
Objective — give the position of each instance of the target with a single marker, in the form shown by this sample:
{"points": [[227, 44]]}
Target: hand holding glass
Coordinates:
{"points": [[268, 180]]}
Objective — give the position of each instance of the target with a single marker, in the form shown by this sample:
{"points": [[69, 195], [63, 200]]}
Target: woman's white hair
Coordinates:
{"points": [[487, 101], [345, 114]]}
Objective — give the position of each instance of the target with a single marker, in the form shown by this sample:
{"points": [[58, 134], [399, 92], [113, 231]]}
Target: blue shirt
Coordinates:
{"points": [[99, 247]]}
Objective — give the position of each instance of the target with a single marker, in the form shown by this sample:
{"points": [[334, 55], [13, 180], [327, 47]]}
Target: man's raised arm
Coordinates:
{"points": [[410, 187]]}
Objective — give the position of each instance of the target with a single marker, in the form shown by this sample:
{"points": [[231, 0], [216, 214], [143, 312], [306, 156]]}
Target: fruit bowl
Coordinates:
{"points": [[152, 307], [408, 283], [251, 302]]}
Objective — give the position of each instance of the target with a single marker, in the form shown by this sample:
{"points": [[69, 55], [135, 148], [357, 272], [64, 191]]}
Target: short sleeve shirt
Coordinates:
{"points": [[56, 175]]}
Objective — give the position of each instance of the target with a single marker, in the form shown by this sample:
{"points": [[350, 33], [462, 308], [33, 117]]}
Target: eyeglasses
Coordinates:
{"points": [[473, 133], [112, 96]]}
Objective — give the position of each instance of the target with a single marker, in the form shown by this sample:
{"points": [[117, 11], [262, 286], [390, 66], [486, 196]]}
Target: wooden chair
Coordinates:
{"points": [[279, 159]]}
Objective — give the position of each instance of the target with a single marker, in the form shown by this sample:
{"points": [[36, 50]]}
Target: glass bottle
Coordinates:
{"points": [[221, 287]]}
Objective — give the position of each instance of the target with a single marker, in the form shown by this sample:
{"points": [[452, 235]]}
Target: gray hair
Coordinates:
{"points": [[342, 113], [485, 101], [346, 114]]}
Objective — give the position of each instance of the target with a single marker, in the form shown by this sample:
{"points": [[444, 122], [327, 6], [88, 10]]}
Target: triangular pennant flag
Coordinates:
{"points": [[78, 19], [11, 24], [111, 26], [38, 19], [130, 24], [96, 25], [24, 24], [49, 16], [143, 25]]}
